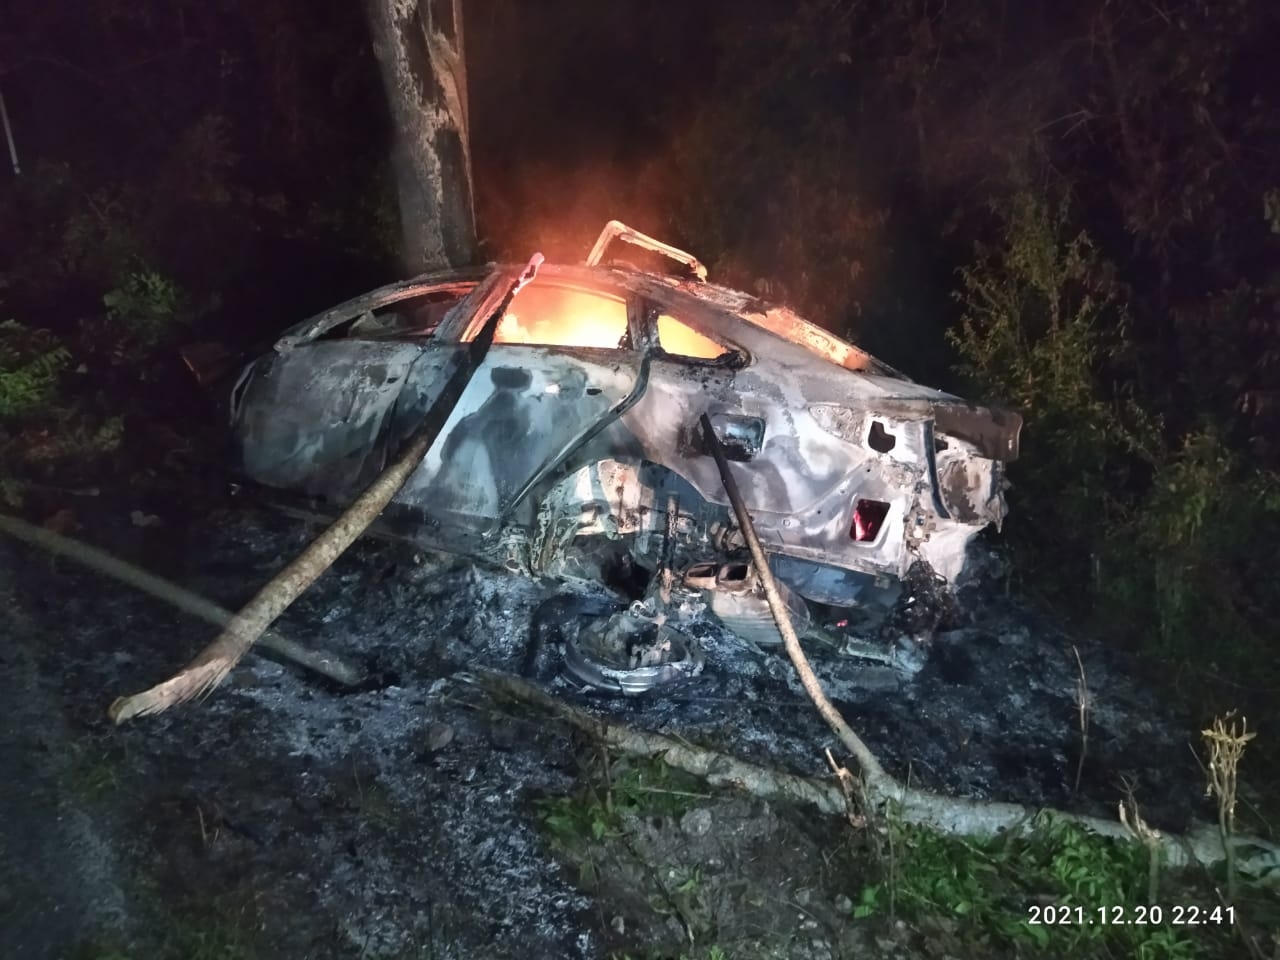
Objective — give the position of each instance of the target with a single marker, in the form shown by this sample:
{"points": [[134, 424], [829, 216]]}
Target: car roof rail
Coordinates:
{"points": [[617, 230]]}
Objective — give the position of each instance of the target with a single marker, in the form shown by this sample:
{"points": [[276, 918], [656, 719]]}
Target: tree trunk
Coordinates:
{"points": [[419, 47]]}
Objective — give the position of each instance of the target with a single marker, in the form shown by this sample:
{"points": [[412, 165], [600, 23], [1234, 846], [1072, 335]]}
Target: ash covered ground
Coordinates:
{"points": [[403, 820]]}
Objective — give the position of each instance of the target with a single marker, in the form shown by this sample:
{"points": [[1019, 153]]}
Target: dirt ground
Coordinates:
{"points": [[416, 817]]}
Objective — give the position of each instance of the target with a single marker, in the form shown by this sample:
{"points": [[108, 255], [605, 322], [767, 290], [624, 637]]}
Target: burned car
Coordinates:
{"points": [[575, 450]]}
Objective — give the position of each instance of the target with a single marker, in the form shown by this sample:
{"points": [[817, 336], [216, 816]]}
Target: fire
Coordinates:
{"points": [[681, 340], [556, 316], [563, 317]]}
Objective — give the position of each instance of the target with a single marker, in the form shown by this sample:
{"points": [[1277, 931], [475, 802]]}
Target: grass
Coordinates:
{"points": [[993, 898], [613, 789], [589, 829], [212, 931], [95, 772], [1056, 891]]}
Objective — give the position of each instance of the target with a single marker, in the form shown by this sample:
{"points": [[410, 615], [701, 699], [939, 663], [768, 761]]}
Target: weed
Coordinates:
{"points": [[1226, 742], [95, 777], [373, 801], [146, 304], [985, 892], [209, 931], [601, 828], [31, 363], [622, 787]]}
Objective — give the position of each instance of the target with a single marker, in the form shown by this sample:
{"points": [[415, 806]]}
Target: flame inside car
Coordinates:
{"points": [[553, 315], [547, 314]]}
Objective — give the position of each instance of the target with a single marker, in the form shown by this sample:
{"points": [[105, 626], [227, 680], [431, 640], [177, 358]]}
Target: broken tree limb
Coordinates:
{"points": [[718, 769], [957, 817], [326, 664], [953, 815], [321, 662], [213, 663], [872, 771]]}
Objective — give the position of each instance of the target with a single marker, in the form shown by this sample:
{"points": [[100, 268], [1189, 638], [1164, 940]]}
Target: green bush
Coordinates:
{"points": [[146, 304], [1162, 533], [31, 361], [1042, 325], [41, 424], [1187, 565]]}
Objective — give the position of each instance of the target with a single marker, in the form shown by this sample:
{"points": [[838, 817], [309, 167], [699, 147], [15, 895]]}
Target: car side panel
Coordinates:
{"points": [[314, 419], [524, 407]]}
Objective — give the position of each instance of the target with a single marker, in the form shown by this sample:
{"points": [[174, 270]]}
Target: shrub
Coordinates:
{"points": [[1165, 535], [1041, 324], [31, 362], [1187, 564], [146, 304]]}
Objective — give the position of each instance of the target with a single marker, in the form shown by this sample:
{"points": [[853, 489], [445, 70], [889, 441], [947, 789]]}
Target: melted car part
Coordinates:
{"points": [[617, 230], [629, 654], [732, 591], [925, 605]]}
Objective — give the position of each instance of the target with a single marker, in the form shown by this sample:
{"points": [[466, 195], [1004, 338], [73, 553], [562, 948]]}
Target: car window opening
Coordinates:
{"points": [[678, 339], [879, 439], [411, 317], [556, 316]]}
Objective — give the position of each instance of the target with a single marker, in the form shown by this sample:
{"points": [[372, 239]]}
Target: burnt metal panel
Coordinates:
{"points": [[993, 431]]}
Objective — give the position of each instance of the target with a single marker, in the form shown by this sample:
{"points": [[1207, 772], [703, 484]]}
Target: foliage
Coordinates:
{"points": [[41, 426], [625, 787], [31, 361], [214, 930], [596, 824], [1188, 564], [1162, 532], [146, 304], [983, 893], [1042, 325]]}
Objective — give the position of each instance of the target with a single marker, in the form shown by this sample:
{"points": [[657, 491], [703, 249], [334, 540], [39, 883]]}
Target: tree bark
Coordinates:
{"points": [[419, 46]]}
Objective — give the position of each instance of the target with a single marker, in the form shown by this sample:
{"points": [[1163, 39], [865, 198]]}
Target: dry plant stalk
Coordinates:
{"points": [[852, 790], [1226, 742], [1082, 704], [1144, 833]]}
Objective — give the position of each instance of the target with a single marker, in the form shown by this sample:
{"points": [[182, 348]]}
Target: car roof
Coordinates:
{"points": [[720, 305], [711, 301]]}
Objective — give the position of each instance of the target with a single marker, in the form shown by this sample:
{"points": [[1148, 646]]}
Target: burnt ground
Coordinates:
{"points": [[282, 818]]}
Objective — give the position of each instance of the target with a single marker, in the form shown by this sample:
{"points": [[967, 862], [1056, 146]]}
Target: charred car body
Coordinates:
{"points": [[576, 449]]}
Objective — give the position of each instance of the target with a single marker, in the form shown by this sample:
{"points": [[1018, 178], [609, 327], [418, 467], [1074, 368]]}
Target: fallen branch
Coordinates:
{"points": [[951, 815], [958, 817], [718, 769], [215, 661], [325, 664]]}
